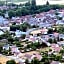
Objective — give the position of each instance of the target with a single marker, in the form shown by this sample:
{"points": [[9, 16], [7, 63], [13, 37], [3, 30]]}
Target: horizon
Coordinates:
{"points": [[40, 2]]}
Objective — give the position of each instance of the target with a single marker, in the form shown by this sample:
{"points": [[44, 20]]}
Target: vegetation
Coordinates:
{"points": [[35, 61], [47, 3], [11, 62], [23, 27], [60, 29], [31, 8]]}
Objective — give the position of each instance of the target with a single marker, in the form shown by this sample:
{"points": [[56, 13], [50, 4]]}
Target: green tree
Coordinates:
{"points": [[11, 62], [54, 41], [24, 27], [33, 2], [27, 4], [24, 11], [35, 61], [62, 51], [50, 31], [47, 3], [27, 61], [10, 39], [50, 40], [61, 39], [1, 48], [23, 36], [18, 12], [11, 13]]}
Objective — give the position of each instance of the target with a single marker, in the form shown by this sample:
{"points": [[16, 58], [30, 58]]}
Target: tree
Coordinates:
{"points": [[11, 13], [1, 48], [10, 39], [35, 61], [24, 27], [11, 62], [33, 2], [26, 61], [50, 40], [24, 11], [27, 4], [23, 36], [47, 3], [61, 39], [18, 44], [58, 38], [54, 41], [50, 31], [18, 12], [58, 58], [1, 14], [60, 18], [14, 27], [62, 52]]}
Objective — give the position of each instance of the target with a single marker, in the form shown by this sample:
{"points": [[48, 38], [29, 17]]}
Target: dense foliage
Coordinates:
{"points": [[30, 8], [11, 62]]}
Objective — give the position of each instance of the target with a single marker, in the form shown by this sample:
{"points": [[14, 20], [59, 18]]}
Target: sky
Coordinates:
{"points": [[40, 2]]}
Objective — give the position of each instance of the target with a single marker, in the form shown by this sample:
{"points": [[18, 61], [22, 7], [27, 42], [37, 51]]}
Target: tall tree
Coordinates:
{"points": [[33, 2], [47, 3]]}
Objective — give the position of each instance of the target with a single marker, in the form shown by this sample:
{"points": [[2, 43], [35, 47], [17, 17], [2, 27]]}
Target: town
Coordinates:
{"points": [[35, 38]]}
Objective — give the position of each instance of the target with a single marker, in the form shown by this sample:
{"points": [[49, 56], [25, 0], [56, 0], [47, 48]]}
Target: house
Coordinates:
{"points": [[39, 31], [45, 37], [51, 36], [6, 47], [18, 33], [4, 41], [32, 56], [31, 38], [6, 15], [61, 36], [38, 56], [61, 43], [21, 63], [56, 34], [55, 47], [3, 21], [14, 50], [5, 28], [45, 25], [55, 62], [59, 22]]}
